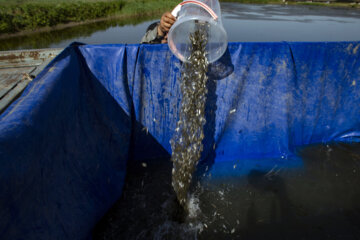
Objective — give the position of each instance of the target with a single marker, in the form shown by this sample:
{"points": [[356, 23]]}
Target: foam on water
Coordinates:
{"points": [[193, 207]]}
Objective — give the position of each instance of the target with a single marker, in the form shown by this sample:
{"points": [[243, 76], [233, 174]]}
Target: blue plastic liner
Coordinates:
{"points": [[65, 143]]}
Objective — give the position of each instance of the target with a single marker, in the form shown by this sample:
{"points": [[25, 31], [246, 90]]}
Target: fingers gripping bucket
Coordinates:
{"points": [[192, 15]]}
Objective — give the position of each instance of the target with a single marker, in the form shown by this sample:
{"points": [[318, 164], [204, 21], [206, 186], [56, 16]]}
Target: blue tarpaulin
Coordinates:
{"points": [[65, 143]]}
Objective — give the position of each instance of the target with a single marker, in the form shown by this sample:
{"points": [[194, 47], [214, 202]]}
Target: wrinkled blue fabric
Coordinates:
{"points": [[65, 143]]}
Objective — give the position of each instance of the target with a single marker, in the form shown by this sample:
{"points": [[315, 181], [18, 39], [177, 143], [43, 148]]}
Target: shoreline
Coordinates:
{"points": [[40, 15], [129, 16], [74, 24]]}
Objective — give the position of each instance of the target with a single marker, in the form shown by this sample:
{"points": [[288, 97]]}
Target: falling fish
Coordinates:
{"points": [[146, 129], [186, 143]]}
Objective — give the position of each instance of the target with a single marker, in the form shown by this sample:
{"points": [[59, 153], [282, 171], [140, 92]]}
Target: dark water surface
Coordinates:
{"points": [[320, 200], [243, 22]]}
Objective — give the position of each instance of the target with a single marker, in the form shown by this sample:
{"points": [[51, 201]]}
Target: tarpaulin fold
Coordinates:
{"points": [[65, 143]]}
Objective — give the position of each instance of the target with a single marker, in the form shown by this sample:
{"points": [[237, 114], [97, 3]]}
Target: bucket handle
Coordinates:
{"points": [[201, 4]]}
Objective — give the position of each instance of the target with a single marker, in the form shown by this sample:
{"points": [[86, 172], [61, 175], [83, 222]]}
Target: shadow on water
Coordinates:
{"points": [[275, 184], [48, 38], [321, 201]]}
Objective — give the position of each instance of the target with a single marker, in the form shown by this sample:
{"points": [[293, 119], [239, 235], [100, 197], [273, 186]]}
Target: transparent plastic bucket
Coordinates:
{"points": [[192, 15]]}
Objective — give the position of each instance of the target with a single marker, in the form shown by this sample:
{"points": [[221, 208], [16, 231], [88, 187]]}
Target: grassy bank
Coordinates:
{"points": [[16, 17], [143, 7], [21, 15], [47, 37]]}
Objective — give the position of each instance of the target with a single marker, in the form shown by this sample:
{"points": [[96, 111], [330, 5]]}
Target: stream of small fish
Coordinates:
{"points": [[186, 143]]}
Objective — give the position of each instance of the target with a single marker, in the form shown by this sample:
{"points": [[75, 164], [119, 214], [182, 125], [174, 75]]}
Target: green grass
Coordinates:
{"points": [[17, 15], [16, 2], [147, 6], [32, 15], [43, 39]]}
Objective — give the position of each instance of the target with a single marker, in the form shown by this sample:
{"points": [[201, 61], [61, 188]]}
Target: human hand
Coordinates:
{"points": [[166, 21], [164, 40]]}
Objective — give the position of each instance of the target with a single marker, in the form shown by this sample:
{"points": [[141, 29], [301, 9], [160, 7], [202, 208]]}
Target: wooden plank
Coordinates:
{"points": [[13, 94], [10, 77], [18, 68], [9, 59], [39, 68]]}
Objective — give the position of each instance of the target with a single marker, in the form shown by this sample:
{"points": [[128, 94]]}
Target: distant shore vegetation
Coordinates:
{"points": [[20, 15]]}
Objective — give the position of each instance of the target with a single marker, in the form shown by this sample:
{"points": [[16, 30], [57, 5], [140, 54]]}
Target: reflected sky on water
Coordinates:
{"points": [[244, 22]]}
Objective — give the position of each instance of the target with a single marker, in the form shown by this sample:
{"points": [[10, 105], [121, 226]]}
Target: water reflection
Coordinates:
{"points": [[260, 23], [286, 12], [109, 31], [243, 23]]}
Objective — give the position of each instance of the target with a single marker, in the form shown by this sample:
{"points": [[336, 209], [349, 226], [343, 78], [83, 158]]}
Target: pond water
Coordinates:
{"points": [[243, 22], [320, 200]]}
